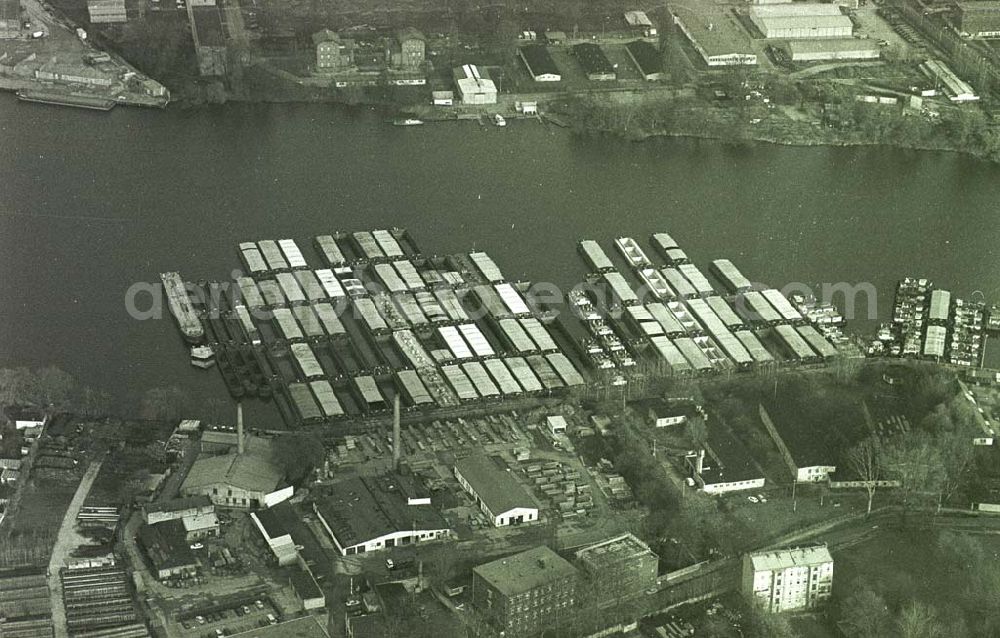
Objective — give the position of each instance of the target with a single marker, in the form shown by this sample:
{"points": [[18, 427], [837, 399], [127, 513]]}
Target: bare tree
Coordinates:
{"points": [[865, 460]]}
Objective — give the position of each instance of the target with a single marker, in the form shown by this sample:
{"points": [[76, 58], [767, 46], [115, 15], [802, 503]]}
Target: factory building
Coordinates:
{"points": [[333, 53], [158, 512], [597, 65], [167, 549], [801, 20], [56, 71], [106, 11], [788, 579], [619, 568], [407, 49], [368, 514], [524, 594], [246, 478], [539, 63], [978, 19], [717, 37], [957, 89], [833, 49], [501, 498], [474, 85]]}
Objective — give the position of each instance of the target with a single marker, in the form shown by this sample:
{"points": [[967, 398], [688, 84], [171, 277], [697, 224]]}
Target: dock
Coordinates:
{"points": [[93, 103]]}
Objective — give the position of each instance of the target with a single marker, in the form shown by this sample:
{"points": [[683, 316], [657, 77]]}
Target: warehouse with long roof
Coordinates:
{"points": [[801, 20]]}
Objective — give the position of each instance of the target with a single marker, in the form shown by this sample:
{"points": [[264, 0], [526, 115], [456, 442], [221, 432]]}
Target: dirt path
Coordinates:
{"points": [[66, 542]]}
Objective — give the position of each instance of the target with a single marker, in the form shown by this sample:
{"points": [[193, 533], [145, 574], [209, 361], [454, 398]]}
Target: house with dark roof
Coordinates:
{"points": [[372, 513], [597, 65], [167, 548], [539, 63], [647, 58], [524, 594], [497, 493]]}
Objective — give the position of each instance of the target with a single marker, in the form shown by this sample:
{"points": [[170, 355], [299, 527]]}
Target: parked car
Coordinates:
{"points": [[753, 499]]}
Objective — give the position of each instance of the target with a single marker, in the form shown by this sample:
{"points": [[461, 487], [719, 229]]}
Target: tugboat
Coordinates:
{"points": [[407, 121], [202, 357]]}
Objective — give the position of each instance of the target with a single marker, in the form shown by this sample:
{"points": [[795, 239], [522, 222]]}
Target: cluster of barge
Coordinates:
{"points": [[928, 323]]}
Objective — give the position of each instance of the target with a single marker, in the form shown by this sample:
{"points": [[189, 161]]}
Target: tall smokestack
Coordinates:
{"points": [[239, 428], [395, 433]]}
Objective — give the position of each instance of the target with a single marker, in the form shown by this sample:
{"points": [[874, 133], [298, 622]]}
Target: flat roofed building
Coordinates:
{"points": [[646, 58], [199, 526], [497, 493], [524, 594], [474, 85], [302, 627], [811, 444], [620, 567], [106, 11], [717, 36], [958, 90], [167, 549], [978, 19], [724, 465], [276, 534], [788, 579], [56, 71], [177, 508], [539, 63], [833, 49], [786, 21], [372, 513], [597, 65]]}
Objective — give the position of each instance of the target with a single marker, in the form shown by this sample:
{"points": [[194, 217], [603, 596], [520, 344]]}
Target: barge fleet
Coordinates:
{"points": [[181, 308]]}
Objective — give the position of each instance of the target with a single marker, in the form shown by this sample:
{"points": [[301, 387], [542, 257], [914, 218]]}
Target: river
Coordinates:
{"points": [[91, 203]]}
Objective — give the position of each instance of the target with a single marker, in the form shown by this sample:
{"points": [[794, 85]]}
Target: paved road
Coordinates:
{"points": [[65, 544]]}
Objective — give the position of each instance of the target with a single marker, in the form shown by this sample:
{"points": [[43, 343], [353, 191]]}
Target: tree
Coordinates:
{"points": [[957, 456], [164, 404], [865, 460], [697, 430], [55, 387], [917, 620], [297, 454], [914, 460], [864, 613]]}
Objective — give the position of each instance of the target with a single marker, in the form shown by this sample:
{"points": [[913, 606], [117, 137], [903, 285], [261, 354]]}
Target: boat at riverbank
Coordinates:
{"points": [[407, 121], [181, 308], [93, 103]]}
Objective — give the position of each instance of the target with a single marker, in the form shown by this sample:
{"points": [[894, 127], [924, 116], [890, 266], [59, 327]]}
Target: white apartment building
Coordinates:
{"points": [[788, 579]]}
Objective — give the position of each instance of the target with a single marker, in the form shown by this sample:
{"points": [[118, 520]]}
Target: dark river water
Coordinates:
{"points": [[91, 203]]}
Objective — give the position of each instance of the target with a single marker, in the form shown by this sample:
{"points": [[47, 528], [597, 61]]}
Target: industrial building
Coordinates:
{"points": [[524, 594], [833, 49], [801, 20], [498, 494], [788, 579], [246, 478], [810, 444], [407, 49], [716, 35], [646, 58], [276, 535], [167, 549], [724, 465], [176, 508], [619, 568], [539, 63], [106, 11], [474, 85], [978, 19], [596, 65], [333, 53], [56, 71], [372, 513], [957, 89], [640, 24], [10, 18]]}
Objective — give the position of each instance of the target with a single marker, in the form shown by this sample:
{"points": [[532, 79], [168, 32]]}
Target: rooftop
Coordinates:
{"points": [[178, 504], [166, 545], [360, 509], [325, 35], [785, 558], [614, 551], [538, 59], [816, 430], [646, 56], [592, 58], [734, 462], [304, 627], [495, 486], [805, 21], [715, 29], [526, 571], [832, 44], [200, 522], [208, 21], [253, 471]]}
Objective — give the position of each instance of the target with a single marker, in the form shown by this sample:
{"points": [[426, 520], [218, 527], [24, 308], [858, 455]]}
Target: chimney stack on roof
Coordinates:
{"points": [[395, 433], [239, 428]]}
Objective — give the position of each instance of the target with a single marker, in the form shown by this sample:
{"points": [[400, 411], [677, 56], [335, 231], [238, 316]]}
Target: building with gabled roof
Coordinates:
{"points": [[523, 594], [539, 63], [167, 549], [246, 478], [372, 513], [497, 493]]}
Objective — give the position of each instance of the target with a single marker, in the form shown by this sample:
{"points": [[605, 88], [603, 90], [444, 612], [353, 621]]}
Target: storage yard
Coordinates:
{"points": [[451, 333]]}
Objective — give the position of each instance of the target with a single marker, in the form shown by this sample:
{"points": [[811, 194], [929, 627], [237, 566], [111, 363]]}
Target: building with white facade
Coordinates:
{"points": [[498, 494], [474, 85], [788, 579], [372, 513], [801, 20]]}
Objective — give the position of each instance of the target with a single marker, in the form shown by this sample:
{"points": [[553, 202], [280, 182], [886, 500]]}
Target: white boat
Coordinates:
{"points": [[409, 121], [498, 120], [202, 357]]}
